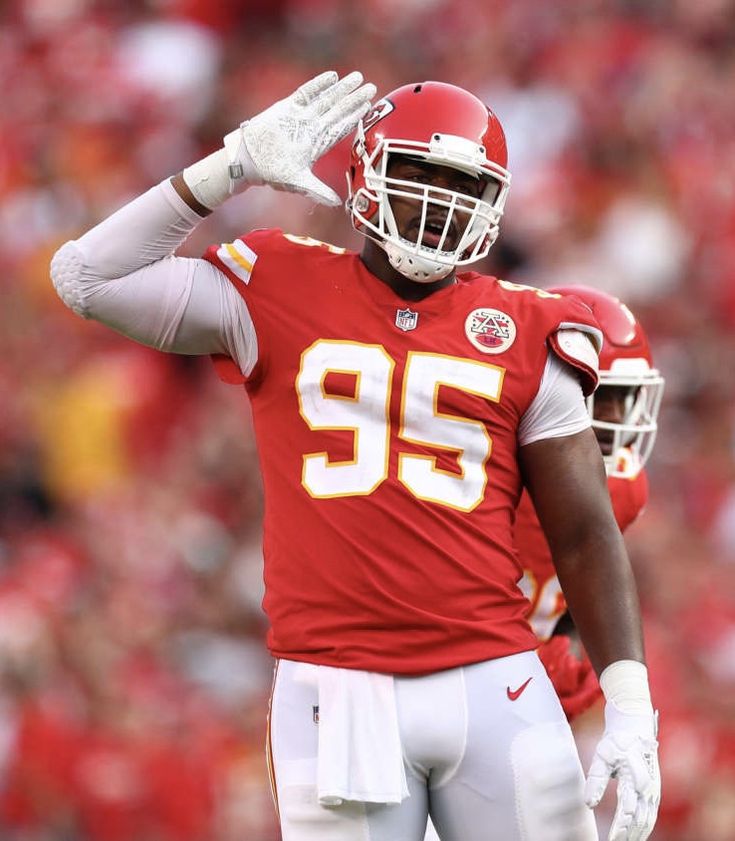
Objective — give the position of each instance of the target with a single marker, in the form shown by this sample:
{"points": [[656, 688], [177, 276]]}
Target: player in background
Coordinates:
{"points": [[399, 404], [624, 411]]}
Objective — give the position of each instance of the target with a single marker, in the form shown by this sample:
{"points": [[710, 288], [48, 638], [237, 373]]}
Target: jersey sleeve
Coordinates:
{"points": [[237, 260], [571, 331], [279, 276]]}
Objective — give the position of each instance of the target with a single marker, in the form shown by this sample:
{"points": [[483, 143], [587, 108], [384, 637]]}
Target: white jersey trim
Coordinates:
{"points": [[239, 259]]}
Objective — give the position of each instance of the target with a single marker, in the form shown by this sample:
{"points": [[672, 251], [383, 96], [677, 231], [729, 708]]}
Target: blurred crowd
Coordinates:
{"points": [[133, 676]]}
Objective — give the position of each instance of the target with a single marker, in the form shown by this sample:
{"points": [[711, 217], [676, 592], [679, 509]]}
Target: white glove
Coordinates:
{"points": [[627, 752], [280, 145]]}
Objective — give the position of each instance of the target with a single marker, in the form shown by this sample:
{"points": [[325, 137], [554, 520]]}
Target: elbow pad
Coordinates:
{"points": [[66, 274]]}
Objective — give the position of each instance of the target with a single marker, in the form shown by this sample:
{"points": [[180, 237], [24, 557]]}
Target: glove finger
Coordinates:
{"points": [[626, 807], [620, 827], [648, 816], [597, 780], [641, 820], [311, 187], [310, 90], [334, 133], [337, 92], [357, 102]]}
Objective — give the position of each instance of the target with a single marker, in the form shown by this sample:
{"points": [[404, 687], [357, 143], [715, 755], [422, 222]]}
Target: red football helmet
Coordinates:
{"points": [[626, 365], [444, 125]]}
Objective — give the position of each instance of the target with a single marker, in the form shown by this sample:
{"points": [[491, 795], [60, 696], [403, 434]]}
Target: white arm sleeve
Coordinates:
{"points": [[558, 408], [123, 273]]}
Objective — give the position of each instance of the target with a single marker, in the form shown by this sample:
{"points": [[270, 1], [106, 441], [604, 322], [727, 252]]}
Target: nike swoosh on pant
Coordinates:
{"points": [[515, 694]]}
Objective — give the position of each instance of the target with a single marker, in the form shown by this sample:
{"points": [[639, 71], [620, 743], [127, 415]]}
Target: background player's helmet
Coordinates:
{"points": [[625, 364], [444, 125]]}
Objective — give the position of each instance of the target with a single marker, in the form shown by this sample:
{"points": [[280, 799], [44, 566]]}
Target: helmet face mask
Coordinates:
{"points": [[624, 409], [627, 442], [460, 227]]}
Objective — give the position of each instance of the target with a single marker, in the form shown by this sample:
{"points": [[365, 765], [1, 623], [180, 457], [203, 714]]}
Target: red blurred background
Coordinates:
{"points": [[133, 676]]}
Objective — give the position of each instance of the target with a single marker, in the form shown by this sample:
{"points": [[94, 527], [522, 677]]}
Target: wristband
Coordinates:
{"points": [[225, 172], [209, 179], [625, 685]]}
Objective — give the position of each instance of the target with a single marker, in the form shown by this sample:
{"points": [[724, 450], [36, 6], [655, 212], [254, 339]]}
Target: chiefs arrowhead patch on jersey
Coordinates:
{"points": [[490, 330]]}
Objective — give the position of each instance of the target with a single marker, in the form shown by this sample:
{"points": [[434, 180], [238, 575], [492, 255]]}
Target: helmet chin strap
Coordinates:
{"points": [[415, 266]]}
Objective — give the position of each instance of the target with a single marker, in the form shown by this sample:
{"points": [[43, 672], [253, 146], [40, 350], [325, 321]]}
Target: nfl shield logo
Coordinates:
{"points": [[406, 320]]}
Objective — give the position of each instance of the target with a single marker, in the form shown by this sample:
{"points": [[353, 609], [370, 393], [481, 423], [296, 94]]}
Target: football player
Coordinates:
{"points": [[624, 411], [400, 403]]}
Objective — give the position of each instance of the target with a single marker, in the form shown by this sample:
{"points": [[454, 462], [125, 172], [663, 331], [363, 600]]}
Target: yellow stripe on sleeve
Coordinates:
{"points": [[238, 258]]}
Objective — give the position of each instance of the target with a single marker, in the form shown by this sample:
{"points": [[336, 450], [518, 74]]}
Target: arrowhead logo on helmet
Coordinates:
{"points": [[380, 110]]}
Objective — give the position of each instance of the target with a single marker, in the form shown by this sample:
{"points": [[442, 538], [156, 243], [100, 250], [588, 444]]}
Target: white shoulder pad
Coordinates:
{"points": [[579, 346]]}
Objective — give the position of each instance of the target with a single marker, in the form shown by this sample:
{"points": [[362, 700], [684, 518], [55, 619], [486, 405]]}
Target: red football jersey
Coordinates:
{"points": [[386, 432], [539, 582]]}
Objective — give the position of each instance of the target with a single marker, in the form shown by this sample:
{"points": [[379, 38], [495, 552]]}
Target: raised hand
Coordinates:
{"points": [[280, 145]]}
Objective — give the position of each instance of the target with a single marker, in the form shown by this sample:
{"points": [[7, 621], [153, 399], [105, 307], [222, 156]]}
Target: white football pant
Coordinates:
{"points": [[488, 754]]}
